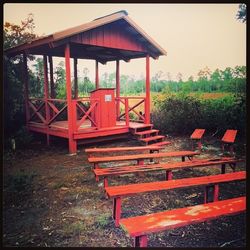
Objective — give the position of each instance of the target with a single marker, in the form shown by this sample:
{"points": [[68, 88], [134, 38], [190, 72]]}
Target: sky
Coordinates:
{"points": [[194, 35]]}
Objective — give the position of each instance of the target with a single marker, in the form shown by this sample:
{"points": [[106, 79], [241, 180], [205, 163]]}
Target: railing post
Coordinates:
{"points": [[147, 101], [74, 115], [126, 112]]}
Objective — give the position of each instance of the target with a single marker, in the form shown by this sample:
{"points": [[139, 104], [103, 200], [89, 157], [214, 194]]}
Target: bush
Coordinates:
{"points": [[181, 114]]}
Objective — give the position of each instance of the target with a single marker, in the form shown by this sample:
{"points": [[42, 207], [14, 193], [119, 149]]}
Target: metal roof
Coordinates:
{"points": [[54, 44]]}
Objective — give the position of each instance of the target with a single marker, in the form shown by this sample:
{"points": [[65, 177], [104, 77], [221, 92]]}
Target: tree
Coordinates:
{"points": [[242, 13], [14, 35]]}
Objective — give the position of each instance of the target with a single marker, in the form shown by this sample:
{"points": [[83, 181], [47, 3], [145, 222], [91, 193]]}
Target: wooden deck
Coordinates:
{"points": [[60, 128]]}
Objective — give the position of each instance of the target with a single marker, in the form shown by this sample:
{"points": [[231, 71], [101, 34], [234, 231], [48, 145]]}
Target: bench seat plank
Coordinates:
{"points": [[132, 189], [142, 225], [141, 156], [120, 149], [119, 170]]}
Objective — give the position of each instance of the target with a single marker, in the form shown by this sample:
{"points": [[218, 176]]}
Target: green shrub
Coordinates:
{"points": [[181, 114]]}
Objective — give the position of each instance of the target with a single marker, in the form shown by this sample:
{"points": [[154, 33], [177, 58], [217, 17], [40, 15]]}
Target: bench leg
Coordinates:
{"points": [[117, 210], [96, 165], [223, 168], [105, 182], [233, 166], [140, 162], [96, 178], [141, 241], [206, 194], [216, 192], [169, 175], [199, 145]]}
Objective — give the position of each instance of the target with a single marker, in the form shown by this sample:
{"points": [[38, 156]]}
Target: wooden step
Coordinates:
{"points": [[153, 138], [146, 132], [162, 143], [141, 128]]}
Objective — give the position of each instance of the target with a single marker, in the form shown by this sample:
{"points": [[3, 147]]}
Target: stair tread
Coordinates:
{"points": [[147, 132], [161, 143], [152, 138]]}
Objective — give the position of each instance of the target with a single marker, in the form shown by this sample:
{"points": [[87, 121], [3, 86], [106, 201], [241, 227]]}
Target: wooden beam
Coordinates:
{"points": [[75, 79], [118, 88], [52, 84], [96, 75], [147, 101], [71, 114]]}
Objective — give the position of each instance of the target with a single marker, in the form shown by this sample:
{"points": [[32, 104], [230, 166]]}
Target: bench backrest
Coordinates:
{"points": [[126, 190]]}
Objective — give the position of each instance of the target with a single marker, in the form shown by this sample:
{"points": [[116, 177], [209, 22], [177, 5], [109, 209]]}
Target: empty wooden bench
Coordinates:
{"points": [[139, 227], [168, 167], [92, 151], [212, 181], [141, 157]]}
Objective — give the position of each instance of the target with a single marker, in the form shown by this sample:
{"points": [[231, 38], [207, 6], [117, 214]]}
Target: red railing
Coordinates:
{"points": [[131, 109], [38, 109], [85, 109]]}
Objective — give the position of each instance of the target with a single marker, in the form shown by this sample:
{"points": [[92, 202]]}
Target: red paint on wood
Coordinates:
{"points": [[142, 225], [132, 189], [118, 87], [120, 170], [142, 156], [71, 116], [75, 79], [229, 136], [96, 75], [104, 114], [147, 87], [197, 134]]}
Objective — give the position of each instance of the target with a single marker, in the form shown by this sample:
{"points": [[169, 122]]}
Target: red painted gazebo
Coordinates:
{"points": [[104, 113]]}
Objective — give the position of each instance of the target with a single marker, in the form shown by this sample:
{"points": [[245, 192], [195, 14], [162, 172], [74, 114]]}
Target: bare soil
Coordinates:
{"points": [[52, 199]]}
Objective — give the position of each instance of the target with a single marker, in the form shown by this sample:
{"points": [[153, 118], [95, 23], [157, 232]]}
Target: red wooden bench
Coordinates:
{"points": [[117, 192], [141, 157], [92, 151], [139, 227], [196, 136], [228, 139], [168, 167]]}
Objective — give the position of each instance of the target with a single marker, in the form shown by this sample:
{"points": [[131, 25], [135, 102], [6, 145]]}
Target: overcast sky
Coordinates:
{"points": [[194, 35]]}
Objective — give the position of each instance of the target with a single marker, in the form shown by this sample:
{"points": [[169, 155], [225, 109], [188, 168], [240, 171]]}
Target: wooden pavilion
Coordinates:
{"points": [[104, 113]]}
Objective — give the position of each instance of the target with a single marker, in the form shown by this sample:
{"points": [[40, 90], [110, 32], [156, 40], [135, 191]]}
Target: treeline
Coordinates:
{"points": [[227, 80]]}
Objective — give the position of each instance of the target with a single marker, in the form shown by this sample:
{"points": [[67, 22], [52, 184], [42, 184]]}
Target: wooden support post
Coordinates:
{"points": [[46, 96], [141, 241], [26, 87], [118, 88], [147, 101], [126, 112], [75, 79], [183, 158], [96, 75], [105, 182], [169, 175], [52, 84], [216, 192], [117, 210], [71, 116], [223, 168]]}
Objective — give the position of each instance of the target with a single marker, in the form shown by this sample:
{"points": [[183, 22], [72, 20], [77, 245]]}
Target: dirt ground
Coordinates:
{"points": [[52, 199]]}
